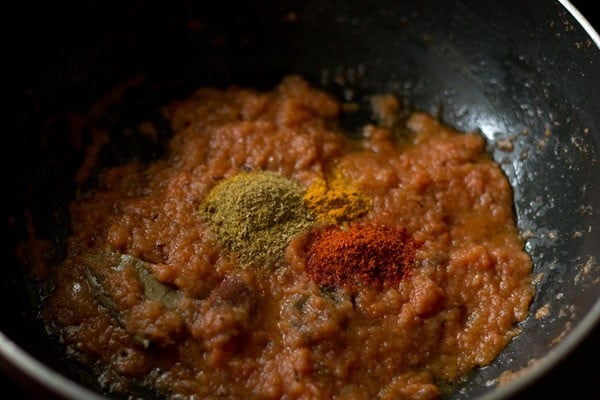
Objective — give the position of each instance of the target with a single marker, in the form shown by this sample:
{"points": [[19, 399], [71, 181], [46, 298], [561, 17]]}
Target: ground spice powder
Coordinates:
{"points": [[359, 254], [336, 201], [256, 214]]}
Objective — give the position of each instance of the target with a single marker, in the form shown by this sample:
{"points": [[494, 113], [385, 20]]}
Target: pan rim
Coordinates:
{"points": [[21, 365], [585, 24]]}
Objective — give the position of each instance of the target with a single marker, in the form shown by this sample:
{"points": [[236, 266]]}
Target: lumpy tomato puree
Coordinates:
{"points": [[148, 296]]}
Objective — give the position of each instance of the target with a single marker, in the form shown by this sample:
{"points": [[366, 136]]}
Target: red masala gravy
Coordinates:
{"points": [[190, 323]]}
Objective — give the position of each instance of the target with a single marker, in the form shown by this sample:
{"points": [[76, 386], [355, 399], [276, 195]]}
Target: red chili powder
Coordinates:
{"points": [[360, 254]]}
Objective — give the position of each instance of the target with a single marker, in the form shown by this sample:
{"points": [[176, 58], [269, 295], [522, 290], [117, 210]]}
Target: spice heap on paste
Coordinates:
{"points": [[269, 255]]}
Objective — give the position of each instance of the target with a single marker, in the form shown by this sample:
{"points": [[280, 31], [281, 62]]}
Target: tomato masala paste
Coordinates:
{"points": [[268, 255]]}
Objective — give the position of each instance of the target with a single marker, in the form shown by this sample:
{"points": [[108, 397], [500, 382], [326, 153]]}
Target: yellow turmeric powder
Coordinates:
{"points": [[336, 201]]}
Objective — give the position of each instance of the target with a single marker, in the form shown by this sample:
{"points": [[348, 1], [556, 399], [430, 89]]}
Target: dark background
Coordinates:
{"points": [[575, 377]]}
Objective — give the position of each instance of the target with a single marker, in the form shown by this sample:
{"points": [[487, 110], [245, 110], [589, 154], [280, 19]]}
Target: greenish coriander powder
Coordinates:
{"points": [[256, 214]]}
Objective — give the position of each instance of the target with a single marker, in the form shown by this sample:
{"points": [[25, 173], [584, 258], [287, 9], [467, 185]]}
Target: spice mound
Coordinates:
{"points": [[255, 215], [372, 254], [336, 201], [267, 255]]}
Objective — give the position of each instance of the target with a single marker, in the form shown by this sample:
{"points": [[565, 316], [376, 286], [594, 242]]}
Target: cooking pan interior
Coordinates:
{"points": [[518, 72]]}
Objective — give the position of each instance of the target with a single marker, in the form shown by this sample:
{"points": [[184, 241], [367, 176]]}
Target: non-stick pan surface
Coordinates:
{"points": [[524, 73]]}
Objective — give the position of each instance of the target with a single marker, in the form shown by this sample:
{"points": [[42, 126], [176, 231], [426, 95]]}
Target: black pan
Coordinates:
{"points": [[527, 73]]}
